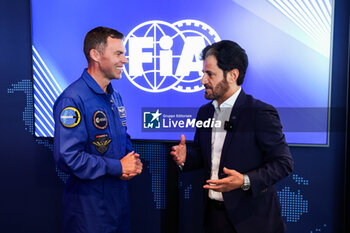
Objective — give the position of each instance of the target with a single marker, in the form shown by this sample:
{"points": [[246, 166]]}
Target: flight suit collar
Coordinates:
{"points": [[90, 81]]}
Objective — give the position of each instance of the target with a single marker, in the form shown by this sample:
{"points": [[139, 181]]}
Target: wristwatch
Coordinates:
{"points": [[246, 183]]}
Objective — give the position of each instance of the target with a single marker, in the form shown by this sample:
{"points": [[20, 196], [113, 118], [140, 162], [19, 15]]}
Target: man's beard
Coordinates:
{"points": [[218, 91]]}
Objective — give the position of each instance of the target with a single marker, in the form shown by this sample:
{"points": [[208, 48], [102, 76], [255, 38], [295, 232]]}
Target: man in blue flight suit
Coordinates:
{"points": [[91, 143]]}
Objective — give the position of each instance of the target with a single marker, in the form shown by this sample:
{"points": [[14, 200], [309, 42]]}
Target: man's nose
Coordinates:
{"points": [[204, 79], [125, 60]]}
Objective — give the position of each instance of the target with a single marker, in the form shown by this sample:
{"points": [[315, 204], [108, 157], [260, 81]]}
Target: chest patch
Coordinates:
{"points": [[100, 119], [122, 112], [102, 143]]}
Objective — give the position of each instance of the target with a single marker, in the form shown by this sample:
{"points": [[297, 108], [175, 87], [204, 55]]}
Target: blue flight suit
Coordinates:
{"points": [[90, 139]]}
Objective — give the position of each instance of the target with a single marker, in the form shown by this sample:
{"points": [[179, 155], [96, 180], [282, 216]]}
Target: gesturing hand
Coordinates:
{"points": [[234, 180], [131, 166], [179, 152]]}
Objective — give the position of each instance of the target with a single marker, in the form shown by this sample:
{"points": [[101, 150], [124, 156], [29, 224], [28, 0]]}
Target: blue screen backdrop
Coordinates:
{"points": [[288, 45]]}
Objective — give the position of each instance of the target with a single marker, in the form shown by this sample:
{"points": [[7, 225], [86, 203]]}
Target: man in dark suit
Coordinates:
{"points": [[244, 157]]}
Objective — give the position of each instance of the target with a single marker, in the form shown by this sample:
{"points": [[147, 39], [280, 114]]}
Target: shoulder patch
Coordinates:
{"points": [[70, 117]]}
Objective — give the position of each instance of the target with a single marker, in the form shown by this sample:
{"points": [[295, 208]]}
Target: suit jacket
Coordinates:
{"points": [[255, 146]]}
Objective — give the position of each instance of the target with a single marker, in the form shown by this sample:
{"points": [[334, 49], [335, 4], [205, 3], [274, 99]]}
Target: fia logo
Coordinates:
{"points": [[164, 56], [151, 120]]}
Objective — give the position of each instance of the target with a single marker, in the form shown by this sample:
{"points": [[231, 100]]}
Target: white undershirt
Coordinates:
{"points": [[222, 113]]}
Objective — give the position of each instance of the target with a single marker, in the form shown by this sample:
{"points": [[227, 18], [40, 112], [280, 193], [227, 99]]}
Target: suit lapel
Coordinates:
{"points": [[234, 117]]}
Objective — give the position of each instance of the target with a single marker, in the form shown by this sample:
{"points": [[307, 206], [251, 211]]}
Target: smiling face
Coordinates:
{"points": [[214, 80], [112, 59]]}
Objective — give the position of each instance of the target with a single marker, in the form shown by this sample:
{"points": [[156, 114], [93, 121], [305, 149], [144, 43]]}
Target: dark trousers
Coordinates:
{"points": [[216, 218]]}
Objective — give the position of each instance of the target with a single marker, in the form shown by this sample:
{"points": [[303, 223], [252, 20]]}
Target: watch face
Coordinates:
{"points": [[245, 187]]}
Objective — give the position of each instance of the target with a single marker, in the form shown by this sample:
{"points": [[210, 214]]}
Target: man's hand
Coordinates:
{"points": [[234, 180], [127, 176], [131, 166], [179, 152]]}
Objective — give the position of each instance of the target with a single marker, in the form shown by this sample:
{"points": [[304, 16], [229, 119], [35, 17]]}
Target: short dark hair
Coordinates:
{"points": [[97, 39], [229, 55]]}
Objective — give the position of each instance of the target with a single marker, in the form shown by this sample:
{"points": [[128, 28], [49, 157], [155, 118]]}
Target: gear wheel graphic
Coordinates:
{"points": [[190, 27]]}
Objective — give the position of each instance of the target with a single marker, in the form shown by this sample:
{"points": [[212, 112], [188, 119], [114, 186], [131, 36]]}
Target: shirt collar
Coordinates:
{"points": [[228, 103], [90, 81]]}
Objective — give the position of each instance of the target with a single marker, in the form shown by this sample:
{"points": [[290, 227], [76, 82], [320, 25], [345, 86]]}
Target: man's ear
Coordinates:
{"points": [[95, 55], [232, 75]]}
